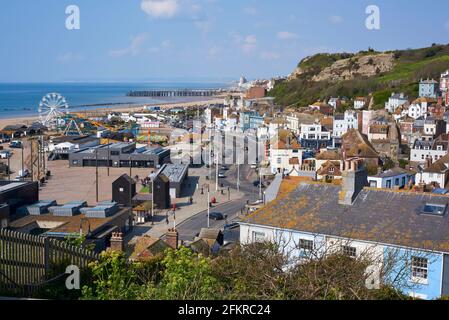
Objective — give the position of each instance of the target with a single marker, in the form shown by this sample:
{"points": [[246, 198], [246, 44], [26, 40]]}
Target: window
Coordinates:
{"points": [[121, 190], [258, 236], [279, 160], [396, 182], [349, 251], [115, 153], [306, 245], [434, 209], [419, 268]]}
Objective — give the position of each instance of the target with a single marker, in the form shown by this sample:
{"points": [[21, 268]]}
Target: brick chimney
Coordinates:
{"points": [[117, 243], [355, 178], [171, 238]]}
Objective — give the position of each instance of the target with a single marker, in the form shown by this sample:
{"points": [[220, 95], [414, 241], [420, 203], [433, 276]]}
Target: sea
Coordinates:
{"points": [[22, 99]]}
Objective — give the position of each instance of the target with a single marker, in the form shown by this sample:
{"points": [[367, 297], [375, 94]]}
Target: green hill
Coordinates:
{"points": [[368, 72]]}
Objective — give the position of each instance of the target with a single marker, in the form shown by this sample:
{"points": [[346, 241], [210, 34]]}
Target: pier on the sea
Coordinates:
{"points": [[176, 93]]}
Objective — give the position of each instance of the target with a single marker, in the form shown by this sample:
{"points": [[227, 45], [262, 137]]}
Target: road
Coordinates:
{"points": [[191, 227]]}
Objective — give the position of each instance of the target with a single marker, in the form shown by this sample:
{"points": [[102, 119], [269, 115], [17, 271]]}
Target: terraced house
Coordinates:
{"points": [[407, 231]]}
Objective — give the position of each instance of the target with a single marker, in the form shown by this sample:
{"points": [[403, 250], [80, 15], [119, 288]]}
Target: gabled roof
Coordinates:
{"points": [[285, 139], [380, 216], [329, 155], [147, 247], [355, 144], [440, 166]]}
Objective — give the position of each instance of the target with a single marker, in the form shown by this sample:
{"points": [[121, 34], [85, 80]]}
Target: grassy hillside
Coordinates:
{"points": [[409, 67]]}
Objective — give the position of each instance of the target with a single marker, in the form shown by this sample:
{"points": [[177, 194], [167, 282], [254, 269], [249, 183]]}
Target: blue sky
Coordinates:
{"points": [[145, 40]]}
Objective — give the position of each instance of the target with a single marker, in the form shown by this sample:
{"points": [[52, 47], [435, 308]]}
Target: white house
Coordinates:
{"points": [[395, 101], [419, 108], [387, 227], [360, 103], [396, 178], [437, 173], [285, 152], [424, 150], [345, 122], [334, 102]]}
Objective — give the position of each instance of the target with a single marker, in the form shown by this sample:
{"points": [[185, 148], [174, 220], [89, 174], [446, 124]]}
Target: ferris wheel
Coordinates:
{"points": [[52, 107]]}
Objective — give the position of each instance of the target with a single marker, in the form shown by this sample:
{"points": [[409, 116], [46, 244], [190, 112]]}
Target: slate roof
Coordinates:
{"points": [[439, 166], [356, 144], [380, 216]]}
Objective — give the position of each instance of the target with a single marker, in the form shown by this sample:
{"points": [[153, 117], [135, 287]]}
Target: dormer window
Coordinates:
{"points": [[434, 209]]}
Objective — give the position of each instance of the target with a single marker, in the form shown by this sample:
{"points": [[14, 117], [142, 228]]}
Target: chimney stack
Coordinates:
{"points": [[355, 178], [171, 238], [117, 243]]}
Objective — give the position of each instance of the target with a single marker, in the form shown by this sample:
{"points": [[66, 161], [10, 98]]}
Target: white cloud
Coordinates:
{"points": [[164, 45], [160, 8], [286, 35], [268, 55], [134, 48], [249, 44], [336, 19]]}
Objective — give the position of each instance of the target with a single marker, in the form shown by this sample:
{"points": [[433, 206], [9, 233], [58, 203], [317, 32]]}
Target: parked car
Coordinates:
{"points": [[224, 168], [221, 175], [254, 166], [23, 174], [231, 226], [4, 140], [256, 184], [15, 144], [5, 154], [216, 216]]}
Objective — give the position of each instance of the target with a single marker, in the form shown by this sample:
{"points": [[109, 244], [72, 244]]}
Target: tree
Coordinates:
{"points": [[186, 276], [112, 278]]}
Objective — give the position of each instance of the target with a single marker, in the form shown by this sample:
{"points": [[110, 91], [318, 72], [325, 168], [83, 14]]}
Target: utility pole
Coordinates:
{"points": [[210, 154], [238, 173], [109, 156], [130, 181], [38, 160], [208, 206], [9, 167], [217, 156], [260, 182], [152, 200], [31, 161], [96, 173], [23, 166]]}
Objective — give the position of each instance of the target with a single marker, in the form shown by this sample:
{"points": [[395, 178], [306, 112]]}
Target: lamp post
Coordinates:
{"points": [[210, 154], [109, 156], [260, 182], [208, 206], [96, 173], [152, 200], [22, 163], [216, 169], [238, 174]]}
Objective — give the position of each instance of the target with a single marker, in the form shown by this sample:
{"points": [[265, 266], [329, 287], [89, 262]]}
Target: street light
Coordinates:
{"points": [[208, 206], [238, 173], [152, 198]]}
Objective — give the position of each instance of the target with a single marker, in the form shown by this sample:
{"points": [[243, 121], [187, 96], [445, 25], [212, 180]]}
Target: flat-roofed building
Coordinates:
{"points": [[118, 155]]}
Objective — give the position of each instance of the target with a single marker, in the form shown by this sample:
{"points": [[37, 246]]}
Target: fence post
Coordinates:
{"points": [[46, 256]]}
